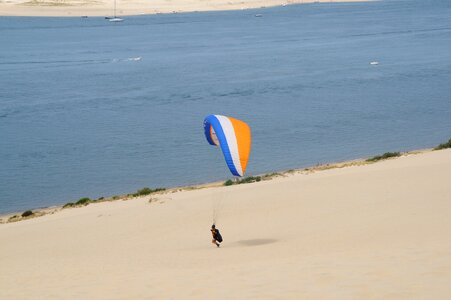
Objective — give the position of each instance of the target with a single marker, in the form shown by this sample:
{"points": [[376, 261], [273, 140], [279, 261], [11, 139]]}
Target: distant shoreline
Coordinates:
{"points": [[38, 212], [99, 8]]}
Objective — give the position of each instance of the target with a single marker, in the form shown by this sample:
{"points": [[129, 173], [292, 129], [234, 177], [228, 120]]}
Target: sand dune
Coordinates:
{"points": [[132, 7], [378, 231]]}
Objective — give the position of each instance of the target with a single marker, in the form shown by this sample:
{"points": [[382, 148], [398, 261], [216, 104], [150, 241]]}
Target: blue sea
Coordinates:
{"points": [[90, 108]]}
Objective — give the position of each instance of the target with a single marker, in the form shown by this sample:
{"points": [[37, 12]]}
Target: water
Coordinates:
{"points": [[90, 108]]}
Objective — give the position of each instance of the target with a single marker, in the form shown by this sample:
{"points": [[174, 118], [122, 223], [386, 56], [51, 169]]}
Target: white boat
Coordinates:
{"points": [[115, 18]]}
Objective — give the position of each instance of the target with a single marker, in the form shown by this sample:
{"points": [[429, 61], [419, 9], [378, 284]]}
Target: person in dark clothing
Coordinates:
{"points": [[217, 238]]}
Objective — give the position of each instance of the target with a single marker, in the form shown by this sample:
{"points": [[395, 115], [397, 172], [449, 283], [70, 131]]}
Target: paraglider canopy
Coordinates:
{"points": [[234, 138]]}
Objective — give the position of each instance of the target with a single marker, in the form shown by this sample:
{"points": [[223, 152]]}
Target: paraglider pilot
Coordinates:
{"points": [[217, 238]]}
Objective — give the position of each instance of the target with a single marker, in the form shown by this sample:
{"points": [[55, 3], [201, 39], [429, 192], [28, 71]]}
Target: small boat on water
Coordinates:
{"points": [[258, 15], [115, 18], [374, 63]]}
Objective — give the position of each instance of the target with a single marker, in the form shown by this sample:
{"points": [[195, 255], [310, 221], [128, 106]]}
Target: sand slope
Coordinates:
{"points": [[132, 7], [380, 231]]}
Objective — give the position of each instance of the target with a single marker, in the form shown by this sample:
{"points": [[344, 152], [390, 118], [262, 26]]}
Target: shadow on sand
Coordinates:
{"points": [[256, 242]]}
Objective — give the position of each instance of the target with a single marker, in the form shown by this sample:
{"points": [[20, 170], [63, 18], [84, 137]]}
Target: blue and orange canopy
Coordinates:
{"points": [[234, 138]]}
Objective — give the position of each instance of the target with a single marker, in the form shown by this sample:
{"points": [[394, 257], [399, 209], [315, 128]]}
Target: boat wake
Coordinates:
{"points": [[137, 58]]}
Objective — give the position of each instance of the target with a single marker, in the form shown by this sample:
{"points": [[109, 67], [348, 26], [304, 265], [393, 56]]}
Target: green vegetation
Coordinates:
{"points": [[228, 182], [251, 179], [383, 156], [80, 202], [147, 191], [270, 175], [83, 201], [27, 213], [444, 145]]}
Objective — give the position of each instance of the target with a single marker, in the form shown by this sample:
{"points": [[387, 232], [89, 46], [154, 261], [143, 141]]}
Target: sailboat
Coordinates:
{"points": [[115, 18]]}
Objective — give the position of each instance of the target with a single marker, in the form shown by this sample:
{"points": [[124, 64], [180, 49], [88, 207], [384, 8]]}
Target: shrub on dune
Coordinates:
{"points": [[383, 156], [27, 213], [444, 145], [249, 179], [147, 191], [83, 201], [228, 182]]}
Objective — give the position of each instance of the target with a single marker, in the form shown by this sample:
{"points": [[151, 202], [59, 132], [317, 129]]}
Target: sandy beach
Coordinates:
{"points": [[73, 8], [376, 231]]}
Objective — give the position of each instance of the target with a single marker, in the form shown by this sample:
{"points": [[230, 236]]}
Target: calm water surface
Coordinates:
{"points": [[90, 108]]}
